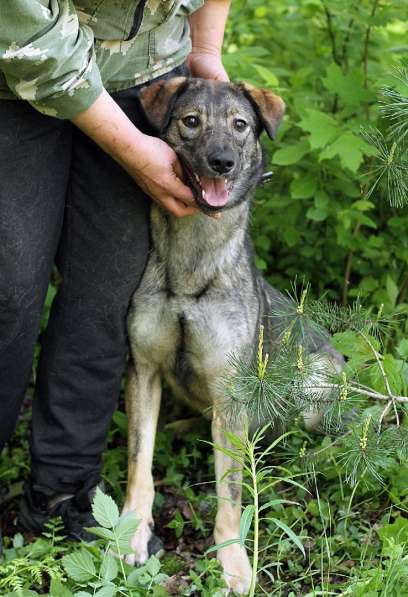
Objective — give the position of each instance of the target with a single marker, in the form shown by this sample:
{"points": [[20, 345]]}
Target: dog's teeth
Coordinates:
{"points": [[203, 194], [197, 177]]}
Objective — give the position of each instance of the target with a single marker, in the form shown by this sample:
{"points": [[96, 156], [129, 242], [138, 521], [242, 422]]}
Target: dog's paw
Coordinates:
{"points": [[237, 569], [140, 544]]}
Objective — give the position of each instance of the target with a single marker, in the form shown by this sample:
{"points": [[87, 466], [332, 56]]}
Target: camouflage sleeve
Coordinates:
{"points": [[47, 58]]}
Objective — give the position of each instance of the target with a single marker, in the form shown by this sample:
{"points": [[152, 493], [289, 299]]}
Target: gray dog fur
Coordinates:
{"points": [[201, 298]]}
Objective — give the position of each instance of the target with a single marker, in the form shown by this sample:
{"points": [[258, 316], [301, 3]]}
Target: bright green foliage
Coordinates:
{"points": [[329, 216], [332, 86]]}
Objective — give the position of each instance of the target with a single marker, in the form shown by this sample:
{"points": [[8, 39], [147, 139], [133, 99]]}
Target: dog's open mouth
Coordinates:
{"points": [[211, 194], [214, 191]]}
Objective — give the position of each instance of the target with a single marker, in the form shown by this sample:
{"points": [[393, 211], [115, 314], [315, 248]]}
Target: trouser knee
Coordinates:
{"points": [[20, 313]]}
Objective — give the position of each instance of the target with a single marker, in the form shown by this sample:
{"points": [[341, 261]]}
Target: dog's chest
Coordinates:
{"points": [[187, 317]]}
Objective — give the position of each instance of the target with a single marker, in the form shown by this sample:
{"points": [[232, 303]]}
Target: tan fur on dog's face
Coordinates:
{"points": [[215, 127]]}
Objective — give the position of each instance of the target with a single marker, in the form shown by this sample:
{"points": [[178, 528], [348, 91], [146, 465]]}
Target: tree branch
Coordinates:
{"points": [[386, 382], [331, 33]]}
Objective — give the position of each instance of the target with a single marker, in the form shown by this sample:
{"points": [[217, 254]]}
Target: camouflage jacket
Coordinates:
{"points": [[59, 54]]}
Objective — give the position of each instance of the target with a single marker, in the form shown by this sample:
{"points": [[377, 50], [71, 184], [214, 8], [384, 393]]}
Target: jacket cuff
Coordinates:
{"points": [[78, 98]]}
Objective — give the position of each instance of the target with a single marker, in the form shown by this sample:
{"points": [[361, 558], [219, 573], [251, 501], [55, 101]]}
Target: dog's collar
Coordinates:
{"points": [[266, 177]]}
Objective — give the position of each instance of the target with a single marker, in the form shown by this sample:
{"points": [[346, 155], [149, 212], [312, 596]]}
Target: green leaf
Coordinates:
{"points": [[101, 532], [109, 568], [237, 456], [349, 87], [402, 348], [316, 214], [303, 188], [22, 593], [321, 200], [291, 154], [393, 368], [277, 502], [392, 290], [398, 531], [363, 205], [350, 148], [289, 533], [234, 440], [104, 509], [57, 589], [153, 566], [18, 540], [79, 565], [267, 75], [107, 591], [291, 236], [322, 128], [120, 419], [125, 529], [177, 524], [260, 263], [352, 345], [221, 545], [245, 523]]}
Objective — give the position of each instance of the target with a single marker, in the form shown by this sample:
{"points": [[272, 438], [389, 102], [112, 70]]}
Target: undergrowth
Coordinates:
{"points": [[333, 216]]}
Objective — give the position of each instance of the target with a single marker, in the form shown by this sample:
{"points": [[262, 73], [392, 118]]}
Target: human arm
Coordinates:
{"points": [[151, 162], [207, 27], [47, 57]]}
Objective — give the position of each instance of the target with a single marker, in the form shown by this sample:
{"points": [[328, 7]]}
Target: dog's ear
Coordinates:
{"points": [[269, 107], [158, 100]]}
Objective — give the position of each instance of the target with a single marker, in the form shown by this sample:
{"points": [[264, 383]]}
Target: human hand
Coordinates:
{"points": [[155, 167], [207, 65], [149, 161]]}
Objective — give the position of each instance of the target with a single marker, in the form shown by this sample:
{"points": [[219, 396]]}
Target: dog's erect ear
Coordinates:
{"points": [[269, 107], [158, 100]]}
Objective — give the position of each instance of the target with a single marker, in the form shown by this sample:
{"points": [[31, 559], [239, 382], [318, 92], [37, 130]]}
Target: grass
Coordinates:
{"points": [[354, 538]]}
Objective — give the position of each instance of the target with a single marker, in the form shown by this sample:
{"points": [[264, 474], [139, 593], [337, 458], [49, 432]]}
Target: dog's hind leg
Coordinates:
{"points": [[233, 558], [328, 362], [143, 393]]}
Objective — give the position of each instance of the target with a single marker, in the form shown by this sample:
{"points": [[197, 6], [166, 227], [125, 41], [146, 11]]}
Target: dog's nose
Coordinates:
{"points": [[222, 161]]}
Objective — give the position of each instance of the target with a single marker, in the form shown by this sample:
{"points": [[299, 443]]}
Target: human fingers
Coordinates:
{"points": [[177, 208]]}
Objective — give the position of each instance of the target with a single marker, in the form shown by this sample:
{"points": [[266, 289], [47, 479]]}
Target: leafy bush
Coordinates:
{"points": [[327, 218]]}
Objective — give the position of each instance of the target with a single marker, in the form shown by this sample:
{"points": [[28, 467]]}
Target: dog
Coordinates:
{"points": [[201, 298]]}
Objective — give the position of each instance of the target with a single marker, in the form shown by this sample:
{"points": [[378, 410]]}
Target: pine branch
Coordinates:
{"points": [[390, 167], [386, 382], [395, 107]]}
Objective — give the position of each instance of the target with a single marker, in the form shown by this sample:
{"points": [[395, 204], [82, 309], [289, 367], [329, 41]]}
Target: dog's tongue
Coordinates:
{"points": [[215, 191]]}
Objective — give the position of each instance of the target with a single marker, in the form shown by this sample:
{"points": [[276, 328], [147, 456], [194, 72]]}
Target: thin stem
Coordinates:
{"points": [[256, 521], [365, 53], [386, 382], [331, 33], [349, 507], [367, 42], [360, 390], [121, 563], [349, 264], [344, 57]]}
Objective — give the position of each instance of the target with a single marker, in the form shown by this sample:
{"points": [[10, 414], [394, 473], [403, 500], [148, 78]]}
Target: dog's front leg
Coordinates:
{"points": [[143, 393], [233, 558]]}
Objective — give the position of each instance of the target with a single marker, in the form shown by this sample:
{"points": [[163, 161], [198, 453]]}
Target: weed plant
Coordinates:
{"points": [[322, 514]]}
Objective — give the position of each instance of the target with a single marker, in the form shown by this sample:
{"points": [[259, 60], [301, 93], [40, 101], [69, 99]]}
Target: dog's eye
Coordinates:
{"points": [[240, 124], [191, 121]]}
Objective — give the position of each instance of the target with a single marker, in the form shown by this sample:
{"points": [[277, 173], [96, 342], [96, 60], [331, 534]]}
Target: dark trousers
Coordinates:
{"points": [[63, 199]]}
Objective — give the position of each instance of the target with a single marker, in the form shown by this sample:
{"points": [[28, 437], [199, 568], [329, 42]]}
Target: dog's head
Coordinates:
{"points": [[214, 127]]}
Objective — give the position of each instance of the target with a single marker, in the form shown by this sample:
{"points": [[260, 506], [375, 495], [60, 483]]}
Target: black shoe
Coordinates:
{"points": [[39, 504]]}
